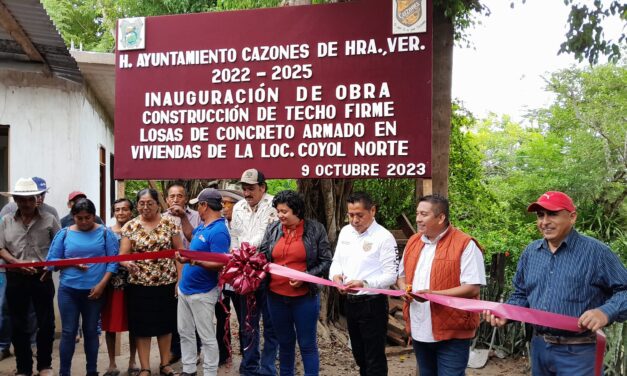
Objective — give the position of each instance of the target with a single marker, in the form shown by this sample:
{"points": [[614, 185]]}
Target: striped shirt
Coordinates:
{"points": [[582, 274]]}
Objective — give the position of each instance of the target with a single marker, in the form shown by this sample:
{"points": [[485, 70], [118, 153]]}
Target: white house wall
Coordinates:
{"points": [[56, 129]]}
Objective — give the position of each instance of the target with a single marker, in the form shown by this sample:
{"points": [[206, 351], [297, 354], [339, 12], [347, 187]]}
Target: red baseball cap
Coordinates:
{"points": [[553, 201], [72, 196]]}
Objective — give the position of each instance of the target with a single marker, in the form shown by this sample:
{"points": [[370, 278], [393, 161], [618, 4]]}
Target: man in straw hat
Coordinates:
{"points": [[11, 207], [570, 274], [24, 237]]}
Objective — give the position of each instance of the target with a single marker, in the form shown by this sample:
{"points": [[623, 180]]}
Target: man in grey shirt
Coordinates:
{"points": [[26, 236]]}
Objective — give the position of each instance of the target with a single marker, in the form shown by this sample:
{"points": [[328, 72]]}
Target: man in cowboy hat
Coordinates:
{"points": [[251, 217], [11, 207], [571, 274], [24, 237]]}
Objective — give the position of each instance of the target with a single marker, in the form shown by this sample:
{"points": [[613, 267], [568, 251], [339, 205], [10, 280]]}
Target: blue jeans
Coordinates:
{"points": [[572, 360], [5, 324], [443, 358], [253, 363], [296, 318], [72, 304]]}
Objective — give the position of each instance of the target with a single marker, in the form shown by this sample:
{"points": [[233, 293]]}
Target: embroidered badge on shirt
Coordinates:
{"points": [[202, 238], [367, 246]]}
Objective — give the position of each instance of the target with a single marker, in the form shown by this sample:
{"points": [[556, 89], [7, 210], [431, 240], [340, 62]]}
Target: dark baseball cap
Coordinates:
{"points": [[207, 195]]}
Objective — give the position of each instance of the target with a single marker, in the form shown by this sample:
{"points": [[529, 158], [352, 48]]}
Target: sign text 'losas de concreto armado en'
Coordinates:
{"points": [[338, 90]]}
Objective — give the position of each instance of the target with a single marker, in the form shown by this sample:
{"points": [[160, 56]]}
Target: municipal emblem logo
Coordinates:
{"points": [[131, 34], [409, 16], [367, 246], [408, 12]]}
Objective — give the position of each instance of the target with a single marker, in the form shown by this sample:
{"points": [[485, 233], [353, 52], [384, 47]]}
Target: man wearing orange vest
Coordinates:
{"points": [[440, 259]]}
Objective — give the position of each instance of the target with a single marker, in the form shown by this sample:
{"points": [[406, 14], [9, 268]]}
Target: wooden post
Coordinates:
{"points": [[443, 32], [427, 187], [121, 192], [419, 192]]}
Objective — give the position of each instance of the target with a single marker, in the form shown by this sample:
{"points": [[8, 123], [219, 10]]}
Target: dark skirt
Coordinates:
{"points": [[151, 310]]}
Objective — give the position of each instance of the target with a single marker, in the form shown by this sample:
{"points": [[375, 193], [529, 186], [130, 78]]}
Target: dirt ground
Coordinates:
{"points": [[335, 360]]}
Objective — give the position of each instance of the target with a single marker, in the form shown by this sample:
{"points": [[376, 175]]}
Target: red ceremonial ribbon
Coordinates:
{"points": [[503, 310]]}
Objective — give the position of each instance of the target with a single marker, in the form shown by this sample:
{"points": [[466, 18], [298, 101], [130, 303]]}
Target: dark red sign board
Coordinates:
{"points": [[297, 92]]}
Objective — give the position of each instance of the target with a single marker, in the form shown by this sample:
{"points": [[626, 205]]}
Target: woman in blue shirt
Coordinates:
{"points": [[81, 286]]}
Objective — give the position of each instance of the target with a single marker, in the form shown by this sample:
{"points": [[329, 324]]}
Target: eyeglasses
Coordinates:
{"points": [[146, 204]]}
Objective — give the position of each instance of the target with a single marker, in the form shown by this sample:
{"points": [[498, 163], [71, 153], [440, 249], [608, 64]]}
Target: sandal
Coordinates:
{"points": [[133, 371], [164, 373], [144, 370], [112, 372]]}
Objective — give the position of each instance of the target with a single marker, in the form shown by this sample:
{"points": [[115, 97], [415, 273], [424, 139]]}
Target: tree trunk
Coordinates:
{"points": [[325, 201], [443, 39]]}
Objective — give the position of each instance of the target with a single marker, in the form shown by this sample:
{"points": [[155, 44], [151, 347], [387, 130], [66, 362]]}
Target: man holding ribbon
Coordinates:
{"points": [[440, 259], [365, 256], [24, 237], [251, 217], [570, 274], [198, 286]]}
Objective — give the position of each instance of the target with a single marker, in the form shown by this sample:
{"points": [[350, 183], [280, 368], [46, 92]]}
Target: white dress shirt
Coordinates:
{"points": [[248, 225], [472, 273], [370, 256]]}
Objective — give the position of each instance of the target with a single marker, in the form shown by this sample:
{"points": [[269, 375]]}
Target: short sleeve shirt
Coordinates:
{"points": [[152, 272], [28, 242]]}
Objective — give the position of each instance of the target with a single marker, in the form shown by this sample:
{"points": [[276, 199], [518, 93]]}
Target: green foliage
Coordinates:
{"points": [[132, 187], [585, 37], [393, 197], [91, 23], [589, 117], [463, 14], [277, 185]]}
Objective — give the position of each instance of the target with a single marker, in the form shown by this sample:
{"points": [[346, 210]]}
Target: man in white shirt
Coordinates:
{"points": [[251, 217], [185, 217], [365, 256], [188, 219], [440, 259]]}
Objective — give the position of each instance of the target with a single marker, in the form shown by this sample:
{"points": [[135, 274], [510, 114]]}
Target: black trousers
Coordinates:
{"points": [[22, 290], [367, 318], [223, 327]]}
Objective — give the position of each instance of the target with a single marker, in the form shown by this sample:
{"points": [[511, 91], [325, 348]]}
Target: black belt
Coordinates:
{"points": [[572, 340], [361, 298]]}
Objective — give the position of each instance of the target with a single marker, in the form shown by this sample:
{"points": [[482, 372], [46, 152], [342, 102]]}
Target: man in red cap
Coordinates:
{"points": [[74, 196], [570, 274]]}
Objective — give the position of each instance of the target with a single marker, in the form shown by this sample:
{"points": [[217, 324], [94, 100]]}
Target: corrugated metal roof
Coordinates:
{"points": [[99, 72], [34, 19]]}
